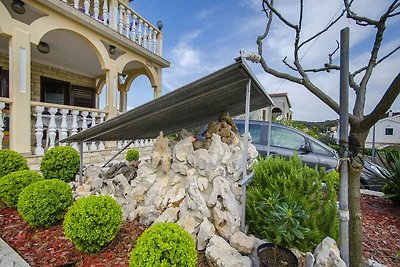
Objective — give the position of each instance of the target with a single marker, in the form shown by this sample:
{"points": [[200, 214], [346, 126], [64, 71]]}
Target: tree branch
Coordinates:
{"points": [[278, 14], [360, 20], [384, 104], [288, 65]]}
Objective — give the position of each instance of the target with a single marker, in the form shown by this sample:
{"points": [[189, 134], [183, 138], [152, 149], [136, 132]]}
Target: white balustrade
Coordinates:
{"points": [[93, 146], [133, 30], [87, 6], [64, 126], [105, 12], [121, 18], [127, 23], [140, 31], [52, 127], [39, 151], [101, 144], [84, 127], [74, 126], [96, 9], [2, 106]]}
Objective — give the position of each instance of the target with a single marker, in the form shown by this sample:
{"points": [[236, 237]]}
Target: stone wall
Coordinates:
{"points": [[38, 70]]}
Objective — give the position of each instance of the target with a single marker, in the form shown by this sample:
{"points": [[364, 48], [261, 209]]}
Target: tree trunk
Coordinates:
{"points": [[356, 141]]}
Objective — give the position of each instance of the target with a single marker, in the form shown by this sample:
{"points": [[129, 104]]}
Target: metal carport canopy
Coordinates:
{"points": [[192, 105]]}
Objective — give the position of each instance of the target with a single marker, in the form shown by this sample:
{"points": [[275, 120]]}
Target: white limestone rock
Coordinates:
{"points": [[169, 215], [373, 263], [206, 231], [121, 186], [92, 172], [220, 253], [327, 254], [201, 159], [183, 148], [226, 209], [243, 243], [83, 191], [156, 193], [189, 223], [203, 183], [174, 196], [147, 215], [162, 153]]}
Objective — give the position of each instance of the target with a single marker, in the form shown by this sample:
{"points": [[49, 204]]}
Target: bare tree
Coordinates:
{"points": [[360, 123]]}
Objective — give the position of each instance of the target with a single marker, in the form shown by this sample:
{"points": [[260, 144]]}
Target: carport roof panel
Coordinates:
{"points": [[190, 106]]}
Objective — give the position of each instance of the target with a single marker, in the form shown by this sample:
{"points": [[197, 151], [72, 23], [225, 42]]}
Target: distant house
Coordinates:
{"points": [[387, 132], [281, 110]]}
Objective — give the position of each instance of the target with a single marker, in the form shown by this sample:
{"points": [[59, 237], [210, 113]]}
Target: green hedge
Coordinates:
{"points": [[164, 244], [280, 183], [44, 203], [60, 162], [11, 161], [12, 184], [92, 222]]}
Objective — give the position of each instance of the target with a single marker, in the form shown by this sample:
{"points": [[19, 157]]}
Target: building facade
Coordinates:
{"points": [[387, 132], [58, 56]]}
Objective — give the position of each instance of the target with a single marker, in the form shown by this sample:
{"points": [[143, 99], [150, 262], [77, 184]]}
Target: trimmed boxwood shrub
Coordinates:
{"points": [[164, 244], [44, 203], [92, 222], [132, 155], [60, 162], [12, 184], [11, 161]]}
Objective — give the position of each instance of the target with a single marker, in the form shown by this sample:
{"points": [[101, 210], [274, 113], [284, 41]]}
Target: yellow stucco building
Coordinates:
{"points": [[58, 56]]}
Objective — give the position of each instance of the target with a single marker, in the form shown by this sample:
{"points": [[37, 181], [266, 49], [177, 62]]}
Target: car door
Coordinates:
{"points": [[286, 142], [257, 133], [327, 159]]}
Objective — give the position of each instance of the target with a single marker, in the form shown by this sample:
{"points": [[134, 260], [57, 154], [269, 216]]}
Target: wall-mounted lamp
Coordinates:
{"points": [[160, 25], [18, 6], [112, 50], [43, 48]]}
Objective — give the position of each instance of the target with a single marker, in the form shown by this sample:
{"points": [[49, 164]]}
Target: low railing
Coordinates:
{"points": [[4, 103], [121, 18], [56, 122]]}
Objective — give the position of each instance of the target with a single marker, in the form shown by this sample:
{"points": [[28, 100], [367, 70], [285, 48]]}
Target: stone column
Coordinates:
{"points": [[112, 88], [20, 91], [123, 100]]}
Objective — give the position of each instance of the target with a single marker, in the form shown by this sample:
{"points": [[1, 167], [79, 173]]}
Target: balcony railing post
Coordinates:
{"points": [[76, 4], [133, 33], [64, 126], [159, 44], [2, 105], [121, 19], [96, 9], [87, 6], [101, 144], [93, 146], [74, 126], [150, 39], [84, 127], [144, 43], [140, 31], [39, 151], [52, 127], [127, 23], [105, 12]]}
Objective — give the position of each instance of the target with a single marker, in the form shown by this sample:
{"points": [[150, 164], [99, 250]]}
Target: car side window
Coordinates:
{"points": [[318, 149], [255, 132], [285, 138]]}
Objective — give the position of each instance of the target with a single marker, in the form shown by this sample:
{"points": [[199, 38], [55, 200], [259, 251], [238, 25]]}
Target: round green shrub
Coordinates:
{"points": [[164, 244], [44, 203], [132, 155], [12, 184], [60, 162], [93, 221], [11, 161]]}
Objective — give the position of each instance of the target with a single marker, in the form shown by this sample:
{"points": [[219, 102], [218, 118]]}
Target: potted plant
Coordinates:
{"points": [[284, 222]]}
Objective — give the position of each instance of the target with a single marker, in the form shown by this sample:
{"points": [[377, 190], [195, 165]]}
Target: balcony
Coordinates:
{"points": [[117, 16]]}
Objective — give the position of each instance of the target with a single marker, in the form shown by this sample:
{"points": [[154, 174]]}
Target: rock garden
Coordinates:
{"points": [[182, 207]]}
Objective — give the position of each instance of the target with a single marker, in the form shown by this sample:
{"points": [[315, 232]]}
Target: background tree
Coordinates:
{"points": [[360, 123]]}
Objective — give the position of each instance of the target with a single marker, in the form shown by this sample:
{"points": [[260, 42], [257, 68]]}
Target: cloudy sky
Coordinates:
{"points": [[201, 36]]}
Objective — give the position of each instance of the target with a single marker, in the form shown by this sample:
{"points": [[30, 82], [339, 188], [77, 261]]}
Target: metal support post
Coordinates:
{"points": [[344, 145], [269, 130], [81, 162], [245, 156], [119, 152], [373, 144]]}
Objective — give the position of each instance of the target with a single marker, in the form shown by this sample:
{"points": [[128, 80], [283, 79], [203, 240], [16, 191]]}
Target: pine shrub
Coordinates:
{"points": [[277, 181], [12, 184], [44, 203], [61, 163], [132, 155], [11, 161], [92, 222], [164, 244]]}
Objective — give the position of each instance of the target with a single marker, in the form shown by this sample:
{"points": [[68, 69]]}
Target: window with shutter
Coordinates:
{"points": [[82, 96], [54, 91]]}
